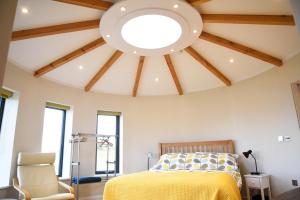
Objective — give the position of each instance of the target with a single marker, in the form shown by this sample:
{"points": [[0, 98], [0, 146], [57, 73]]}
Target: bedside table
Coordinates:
{"points": [[260, 182]]}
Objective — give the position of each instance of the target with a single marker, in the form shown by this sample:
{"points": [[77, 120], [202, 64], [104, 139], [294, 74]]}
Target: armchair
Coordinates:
{"points": [[37, 179]]}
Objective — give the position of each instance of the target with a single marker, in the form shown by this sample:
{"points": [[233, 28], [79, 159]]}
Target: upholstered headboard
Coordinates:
{"points": [[220, 146]]}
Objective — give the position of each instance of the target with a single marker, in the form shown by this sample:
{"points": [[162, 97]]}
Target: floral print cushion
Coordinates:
{"points": [[227, 162], [209, 161], [197, 161], [193, 161], [171, 161]]}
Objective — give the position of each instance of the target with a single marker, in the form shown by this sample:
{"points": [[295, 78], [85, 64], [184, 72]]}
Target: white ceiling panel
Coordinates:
{"points": [[279, 41], [258, 7], [70, 74], [32, 54], [47, 12], [156, 67], [119, 79]]}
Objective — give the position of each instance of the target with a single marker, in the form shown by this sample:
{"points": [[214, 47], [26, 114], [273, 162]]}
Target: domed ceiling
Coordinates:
{"points": [[234, 40]]}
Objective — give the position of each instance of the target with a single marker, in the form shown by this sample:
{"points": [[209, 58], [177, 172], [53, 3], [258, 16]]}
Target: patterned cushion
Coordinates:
{"points": [[227, 162], [197, 161], [171, 161], [211, 161], [178, 162], [193, 161]]}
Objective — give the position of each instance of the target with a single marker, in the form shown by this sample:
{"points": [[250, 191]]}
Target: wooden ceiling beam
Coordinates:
{"points": [[96, 4], [56, 29], [138, 75], [207, 65], [249, 19], [71, 56], [197, 2], [241, 48], [174, 74], [103, 70]]}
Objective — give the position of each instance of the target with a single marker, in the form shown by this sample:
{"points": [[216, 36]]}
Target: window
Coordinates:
{"points": [[108, 123], [54, 133], [2, 104], [9, 103], [4, 95]]}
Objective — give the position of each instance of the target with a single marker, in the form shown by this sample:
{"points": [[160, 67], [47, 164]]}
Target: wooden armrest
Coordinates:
{"points": [[20, 190], [67, 187]]}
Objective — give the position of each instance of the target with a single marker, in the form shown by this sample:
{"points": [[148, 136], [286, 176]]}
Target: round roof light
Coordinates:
{"points": [[151, 31], [151, 28]]}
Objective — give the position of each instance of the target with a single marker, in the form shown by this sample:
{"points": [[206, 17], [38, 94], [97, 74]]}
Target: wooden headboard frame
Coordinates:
{"points": [[220, 146]]}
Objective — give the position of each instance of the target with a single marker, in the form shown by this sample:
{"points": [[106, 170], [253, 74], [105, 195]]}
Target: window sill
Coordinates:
{"points": [[5, 187], [103, 176], [64, 179]]}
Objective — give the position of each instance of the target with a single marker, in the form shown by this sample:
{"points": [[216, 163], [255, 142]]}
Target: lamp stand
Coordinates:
{"points": [[256, 172], [150, 155]]}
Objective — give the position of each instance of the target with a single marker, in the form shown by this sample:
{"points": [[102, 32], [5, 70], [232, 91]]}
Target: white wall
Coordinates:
{"points": [[252, 113], [7, 16]]}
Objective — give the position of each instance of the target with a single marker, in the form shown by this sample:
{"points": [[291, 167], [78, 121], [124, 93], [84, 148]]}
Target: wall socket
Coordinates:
{"points": [[295, 182]]}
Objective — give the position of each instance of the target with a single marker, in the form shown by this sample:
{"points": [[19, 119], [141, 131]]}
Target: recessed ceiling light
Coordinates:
{"points": [[156, 80], [108, 36], [123, 9], [175, 6], [80, 67], [25, 10], [151, 31], [195, 31], [231, 60]]}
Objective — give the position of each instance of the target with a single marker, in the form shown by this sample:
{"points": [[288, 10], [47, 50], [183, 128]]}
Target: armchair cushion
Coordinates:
{"points": [[35, 158], [39, 181]]}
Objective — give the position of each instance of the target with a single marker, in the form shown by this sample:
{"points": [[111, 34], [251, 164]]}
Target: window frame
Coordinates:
{"points": [[117, 147], [2, 106], [62, 140], [296, 96]]}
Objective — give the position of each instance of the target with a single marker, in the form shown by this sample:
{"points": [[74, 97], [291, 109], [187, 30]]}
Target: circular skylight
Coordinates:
{"points": [[151, 31]]}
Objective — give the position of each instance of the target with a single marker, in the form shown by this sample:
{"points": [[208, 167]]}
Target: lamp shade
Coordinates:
{"points": [[247, 153]]}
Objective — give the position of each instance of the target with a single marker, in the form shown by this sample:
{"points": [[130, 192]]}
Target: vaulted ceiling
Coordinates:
{"points": [[232, 48]]}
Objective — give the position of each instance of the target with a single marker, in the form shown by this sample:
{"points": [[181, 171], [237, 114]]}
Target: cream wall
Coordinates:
{"points": [[7, 15], [253, 113]]}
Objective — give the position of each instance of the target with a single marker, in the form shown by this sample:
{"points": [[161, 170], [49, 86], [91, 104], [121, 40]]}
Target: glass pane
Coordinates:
{"points": [[52, 130], [2, 103], [106, 126]]}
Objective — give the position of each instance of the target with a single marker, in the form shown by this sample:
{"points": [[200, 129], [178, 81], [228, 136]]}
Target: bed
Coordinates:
{"points": [[179, 175]]}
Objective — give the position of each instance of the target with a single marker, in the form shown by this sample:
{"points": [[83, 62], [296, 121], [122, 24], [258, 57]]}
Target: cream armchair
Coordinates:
{"points": [[37, 179]]}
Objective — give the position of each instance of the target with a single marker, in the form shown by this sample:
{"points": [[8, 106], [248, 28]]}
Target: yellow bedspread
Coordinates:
{"points": [[174, 185]]}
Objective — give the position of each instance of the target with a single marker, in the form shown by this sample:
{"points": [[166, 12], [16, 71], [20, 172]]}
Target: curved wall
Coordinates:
{"points": [[253, 113]]}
